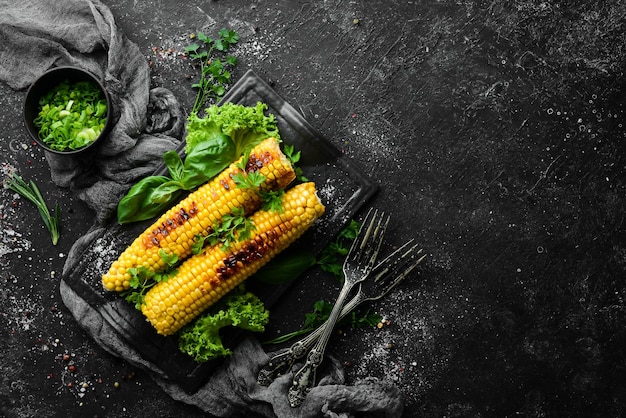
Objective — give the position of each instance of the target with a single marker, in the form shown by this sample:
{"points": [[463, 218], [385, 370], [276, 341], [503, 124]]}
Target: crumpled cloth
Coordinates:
{"points": [[232, 389], [148, 123], [84, 34]]}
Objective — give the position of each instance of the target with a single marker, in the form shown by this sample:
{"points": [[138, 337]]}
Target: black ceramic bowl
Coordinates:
{"points": [[49, 81]]}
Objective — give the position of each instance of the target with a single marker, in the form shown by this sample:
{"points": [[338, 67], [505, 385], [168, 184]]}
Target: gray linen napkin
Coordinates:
{"points": [[148, 123], [84, 34]]}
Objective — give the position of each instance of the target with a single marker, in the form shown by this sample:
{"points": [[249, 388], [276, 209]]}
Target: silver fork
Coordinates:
{"points": [[358, 264], [368, 291]]}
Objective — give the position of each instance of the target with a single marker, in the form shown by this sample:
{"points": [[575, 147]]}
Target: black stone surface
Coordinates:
{"points": [[496, 133]]}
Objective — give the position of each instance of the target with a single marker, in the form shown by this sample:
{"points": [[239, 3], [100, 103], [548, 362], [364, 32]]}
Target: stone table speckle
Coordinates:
{"points": [[496, 133]]}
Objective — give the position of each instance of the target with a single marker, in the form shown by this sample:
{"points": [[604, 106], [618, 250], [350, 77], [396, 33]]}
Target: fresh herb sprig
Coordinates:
{"points": [[294, 158], [251, 180], [321, 312], [31, 192], [245, 179], [143, 279], [233, 227], [329, 258], [272, 199], [214, 73]]}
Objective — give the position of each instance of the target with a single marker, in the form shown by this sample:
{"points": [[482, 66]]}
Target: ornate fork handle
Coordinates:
{"points": [[281, 362], [304, 379]]}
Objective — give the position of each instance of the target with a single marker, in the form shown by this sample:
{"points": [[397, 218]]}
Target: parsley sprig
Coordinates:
{"points": [[30, 191], [245, 179], [143, 279], [251, 180], [294, 158], [329, 258], [272, 199], [214, 73], [233, 227]]}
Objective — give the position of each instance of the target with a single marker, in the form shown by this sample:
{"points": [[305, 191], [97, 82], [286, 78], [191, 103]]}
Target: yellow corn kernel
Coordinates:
{"points": [[175, 231], [204, 278]]}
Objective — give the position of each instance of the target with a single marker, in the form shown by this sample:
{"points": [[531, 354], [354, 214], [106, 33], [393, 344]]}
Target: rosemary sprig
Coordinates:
{"points": [[31, 192]]}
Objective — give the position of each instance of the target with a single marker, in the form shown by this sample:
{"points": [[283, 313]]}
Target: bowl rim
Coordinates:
{"points": [[40, 86]]}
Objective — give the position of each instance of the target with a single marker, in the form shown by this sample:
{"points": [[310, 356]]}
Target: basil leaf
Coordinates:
{"points": [[164, 192], [285, 267], [174, 164], [207, 159], [137, 205]]}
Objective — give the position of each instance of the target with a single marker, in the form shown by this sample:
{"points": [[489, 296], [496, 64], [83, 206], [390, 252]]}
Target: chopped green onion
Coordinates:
{"points": [[71, 116]]}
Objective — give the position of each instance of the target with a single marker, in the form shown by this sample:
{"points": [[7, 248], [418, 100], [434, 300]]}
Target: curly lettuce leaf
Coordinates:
{"points": [[202, 340], [246, 126]]}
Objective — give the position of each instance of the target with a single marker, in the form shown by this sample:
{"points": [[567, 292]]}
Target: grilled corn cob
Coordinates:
{"points": [[204, 278], [175, 231]]}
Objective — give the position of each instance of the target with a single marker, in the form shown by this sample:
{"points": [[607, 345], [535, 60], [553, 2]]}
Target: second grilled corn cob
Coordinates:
{"points": [[204, 278], [175, 231]]}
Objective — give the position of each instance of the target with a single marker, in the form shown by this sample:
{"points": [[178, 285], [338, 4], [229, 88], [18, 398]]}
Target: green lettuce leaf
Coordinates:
{"points": [[212, 143], [202, 340]]}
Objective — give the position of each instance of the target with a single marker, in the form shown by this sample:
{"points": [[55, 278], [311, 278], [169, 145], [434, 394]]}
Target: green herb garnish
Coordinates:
{"points": [[214, 73], [328, 259], [272, 200], [294, 158], [251, 180], [143, 279], [233, 227], [321, 312], [247, 179], [31, 192]]}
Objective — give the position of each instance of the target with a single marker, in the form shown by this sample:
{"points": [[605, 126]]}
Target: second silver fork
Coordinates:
{"points": [[384, 280], [358, 264]]}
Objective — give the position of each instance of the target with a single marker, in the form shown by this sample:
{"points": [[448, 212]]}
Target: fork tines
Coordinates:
{"points": [[394, 262], [372, 230]]}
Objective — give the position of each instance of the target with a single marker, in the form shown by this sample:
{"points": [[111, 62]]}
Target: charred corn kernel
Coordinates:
{"points": [[175, 231], [204, 278]]}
